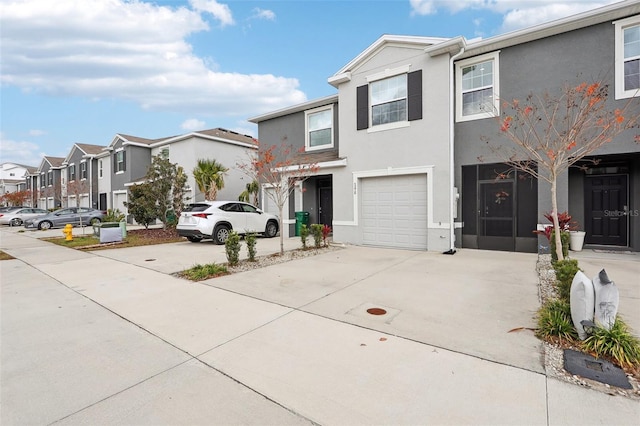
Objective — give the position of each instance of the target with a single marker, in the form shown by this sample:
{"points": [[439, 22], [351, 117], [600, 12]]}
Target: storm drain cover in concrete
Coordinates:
{"points": [[595, 369]]}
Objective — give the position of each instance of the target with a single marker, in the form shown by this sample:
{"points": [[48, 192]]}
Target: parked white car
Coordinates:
{"points": [[215, 219], [17, 216]]}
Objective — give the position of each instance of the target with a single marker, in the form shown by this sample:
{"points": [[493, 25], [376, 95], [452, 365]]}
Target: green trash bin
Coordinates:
{"points": [[302, 218]]}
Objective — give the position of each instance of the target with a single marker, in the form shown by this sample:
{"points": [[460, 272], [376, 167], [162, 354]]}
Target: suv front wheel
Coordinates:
{"points": [[220, 234]]}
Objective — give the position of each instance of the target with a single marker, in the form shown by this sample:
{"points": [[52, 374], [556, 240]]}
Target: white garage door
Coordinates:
{"points": [[394, 211]]}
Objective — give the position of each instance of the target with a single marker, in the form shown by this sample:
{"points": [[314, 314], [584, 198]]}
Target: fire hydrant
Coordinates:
{"points": [[68, 232]]}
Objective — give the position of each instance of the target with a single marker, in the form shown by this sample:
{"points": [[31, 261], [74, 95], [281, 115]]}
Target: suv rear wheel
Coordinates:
{"points": [[271, 230], [220, 234]]}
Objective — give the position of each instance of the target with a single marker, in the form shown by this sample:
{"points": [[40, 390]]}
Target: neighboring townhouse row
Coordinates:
{"points": [[13, 177], [100, 176], [399, 146]]}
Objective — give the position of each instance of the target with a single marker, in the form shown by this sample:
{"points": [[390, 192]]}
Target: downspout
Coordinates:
{"points": [[452, 176]]}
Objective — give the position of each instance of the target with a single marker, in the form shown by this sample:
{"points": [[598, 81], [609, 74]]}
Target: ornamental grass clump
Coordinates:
{"points": [[554, 321], [617, 344], [202, 272]]}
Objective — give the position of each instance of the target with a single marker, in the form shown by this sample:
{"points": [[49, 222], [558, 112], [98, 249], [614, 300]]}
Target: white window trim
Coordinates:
{"points": [[390, 72], [119, 172], [493, 56], [387, 73], [100, 169], [307, 147], [619, 48], [86, 171]]}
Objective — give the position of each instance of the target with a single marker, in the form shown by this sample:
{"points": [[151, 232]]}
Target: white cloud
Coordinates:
{"points": [[516, 13], [36, 132], [21, 152], [219, 11], [193, 124], [129, 50], [258, 13]]}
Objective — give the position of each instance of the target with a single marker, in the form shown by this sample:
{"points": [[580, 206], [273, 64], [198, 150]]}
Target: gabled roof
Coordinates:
{"points": [[54, 162], [407, 41], [218, 134], [87, 150], [586, 19], [296, 108]]}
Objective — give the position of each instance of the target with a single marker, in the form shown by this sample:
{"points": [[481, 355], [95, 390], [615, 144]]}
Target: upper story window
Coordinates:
{"points": [[627, 57], [119, 161], [83, 170], [389, 100], [319, 134], [164, 153], [72, 172], [477, 88], [43, 182], [50, 178], [392, 99], [100, 169]]}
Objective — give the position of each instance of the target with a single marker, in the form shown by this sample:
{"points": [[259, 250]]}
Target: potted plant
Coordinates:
{"points": [[576, 239]]}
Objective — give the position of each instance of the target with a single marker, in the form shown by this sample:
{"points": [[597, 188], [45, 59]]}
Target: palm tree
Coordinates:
{"points": [[209, 176], [250, 194]]}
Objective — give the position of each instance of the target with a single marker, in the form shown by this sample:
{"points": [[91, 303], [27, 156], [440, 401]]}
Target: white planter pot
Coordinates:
{"points": [[576, 240]]}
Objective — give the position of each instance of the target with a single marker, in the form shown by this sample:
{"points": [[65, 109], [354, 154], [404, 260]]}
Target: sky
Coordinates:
{"points": [[82, 71]]}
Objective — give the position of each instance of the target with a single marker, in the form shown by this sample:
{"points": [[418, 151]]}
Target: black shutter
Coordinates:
{"points": [[414, 95], [362, 107], [124, 161], [115, 162]]}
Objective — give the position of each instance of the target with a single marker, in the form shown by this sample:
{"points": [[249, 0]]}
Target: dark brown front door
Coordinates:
{"points": [[606, 210], [325, 205]]}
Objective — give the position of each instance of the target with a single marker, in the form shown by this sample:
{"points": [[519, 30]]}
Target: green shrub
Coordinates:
{"points": [[250, 238], [564, 238], [304, 234], [316, 231], [232, 248], [114, 215], [202, 272], [617, 344], [554, 320], [565, 271]]}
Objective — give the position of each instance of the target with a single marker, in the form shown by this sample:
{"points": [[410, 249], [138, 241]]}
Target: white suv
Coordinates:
{"points": [[215, 219]]}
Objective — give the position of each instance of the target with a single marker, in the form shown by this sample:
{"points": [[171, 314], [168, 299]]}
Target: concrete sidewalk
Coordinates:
{"points": [[110, 338]]}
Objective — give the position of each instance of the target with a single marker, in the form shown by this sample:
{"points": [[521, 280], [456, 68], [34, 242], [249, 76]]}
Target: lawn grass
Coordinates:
{"points": [[203, 272], [93, 243]]}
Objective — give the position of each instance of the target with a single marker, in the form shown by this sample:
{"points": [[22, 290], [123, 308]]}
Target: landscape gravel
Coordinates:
{"points": [[554, 354]]}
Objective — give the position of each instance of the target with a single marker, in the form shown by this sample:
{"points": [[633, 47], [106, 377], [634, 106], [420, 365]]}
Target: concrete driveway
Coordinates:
{"points": [[110, 337]]}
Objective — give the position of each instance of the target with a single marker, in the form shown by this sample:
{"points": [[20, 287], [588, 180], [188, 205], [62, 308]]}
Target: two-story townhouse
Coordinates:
{"points": [[80, 176], [227, 147], [604, 195], [50, 182], [130, 157], [388, 175], [13, 177]]}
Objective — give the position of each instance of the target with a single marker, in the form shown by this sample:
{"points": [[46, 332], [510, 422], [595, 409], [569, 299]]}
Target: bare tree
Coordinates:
{"points": [[279, 168], [550, 133]]}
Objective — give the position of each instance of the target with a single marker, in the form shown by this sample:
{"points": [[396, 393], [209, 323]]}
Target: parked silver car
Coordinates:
{"points": [[215, 219], [17, 216], [73, 215]]}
